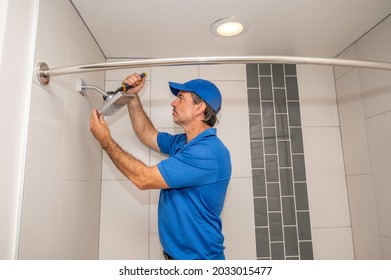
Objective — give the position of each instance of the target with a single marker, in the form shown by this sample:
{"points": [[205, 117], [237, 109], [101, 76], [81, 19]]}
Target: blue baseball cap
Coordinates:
{"points": [[203, 88]]}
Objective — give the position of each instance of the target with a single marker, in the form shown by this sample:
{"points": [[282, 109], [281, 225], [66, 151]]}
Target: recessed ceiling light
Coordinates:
{"points": [[229, 27]]}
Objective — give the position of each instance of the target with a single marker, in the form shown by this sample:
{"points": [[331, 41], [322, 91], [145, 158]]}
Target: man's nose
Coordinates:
{"points": [[174, 102]]}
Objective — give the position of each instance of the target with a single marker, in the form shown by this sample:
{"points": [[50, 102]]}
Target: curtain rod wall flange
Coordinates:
{"points": [[44, 72]]}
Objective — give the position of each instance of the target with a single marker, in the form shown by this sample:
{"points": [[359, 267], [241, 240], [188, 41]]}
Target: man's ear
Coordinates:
{"points": [[201, 107]]}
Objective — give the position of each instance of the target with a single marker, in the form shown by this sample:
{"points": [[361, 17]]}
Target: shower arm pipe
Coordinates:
{"points": [[44, 73]]}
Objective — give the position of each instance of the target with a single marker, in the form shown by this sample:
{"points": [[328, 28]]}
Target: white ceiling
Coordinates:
{"points": [[181, 28]]}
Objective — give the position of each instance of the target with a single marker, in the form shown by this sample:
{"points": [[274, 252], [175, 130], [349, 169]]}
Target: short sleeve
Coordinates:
{"points": [[167, 142], [195, 166]]}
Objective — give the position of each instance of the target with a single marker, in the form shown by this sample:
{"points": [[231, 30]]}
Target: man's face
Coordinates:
{"points": [[183, 108]]}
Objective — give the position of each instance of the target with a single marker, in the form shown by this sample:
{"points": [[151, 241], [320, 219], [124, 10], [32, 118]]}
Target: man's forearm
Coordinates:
{"points": [[142, 125], [131, 167], [143, 176]]}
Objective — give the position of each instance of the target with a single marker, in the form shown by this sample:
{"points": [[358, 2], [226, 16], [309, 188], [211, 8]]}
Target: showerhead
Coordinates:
{"points": [[115, 100], [114, 104]]}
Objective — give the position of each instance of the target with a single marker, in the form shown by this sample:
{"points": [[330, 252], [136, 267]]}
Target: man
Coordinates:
{"points": [[193, 180]]}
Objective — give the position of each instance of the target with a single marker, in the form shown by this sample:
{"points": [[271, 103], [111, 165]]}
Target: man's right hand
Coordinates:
{"points": [[136, 82]]}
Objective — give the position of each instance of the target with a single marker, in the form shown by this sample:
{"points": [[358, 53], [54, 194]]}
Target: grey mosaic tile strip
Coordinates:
{"points": [[257, 154], [277, 251], [273, 197], [271, 165], [296, 140], [259, 182], [252, 76], [262, 242], [264, 69], [290, 69], [268, 114], [270, 140], [280, 101], [255, 127], [283, 229], [286, 178], [291, 244], [278, 75], [289, 211], [254, 101], [301, 196], [275, 225], [282, 127], [284, 153], [260, 207], [292, 90], [303, 224], [266, 88], [306, 252]]}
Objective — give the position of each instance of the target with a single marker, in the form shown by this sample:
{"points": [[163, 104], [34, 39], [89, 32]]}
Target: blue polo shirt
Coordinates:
{"points": [[197, 174]]}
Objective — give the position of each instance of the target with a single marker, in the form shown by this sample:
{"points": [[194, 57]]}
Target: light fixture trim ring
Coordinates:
{"points": [[223, 21]]}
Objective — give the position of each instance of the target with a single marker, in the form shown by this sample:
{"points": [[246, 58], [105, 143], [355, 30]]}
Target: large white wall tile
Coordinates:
{"points": [[318, 104], [374, 45], [155, 249], [52, 39], [375, 84], [353, 131], [379, 136], [349, 53], [238, 220], [77, 227], [376, 91], [386, 247], [325, 172], [77, 138], [120, 74], [233, 125], [332, 244], [227, 72], [124, 230], [365, 229], [69, 156], [43, 171]]}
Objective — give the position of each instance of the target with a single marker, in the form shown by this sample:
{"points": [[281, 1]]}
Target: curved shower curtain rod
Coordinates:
{"points": [[44, 72]]}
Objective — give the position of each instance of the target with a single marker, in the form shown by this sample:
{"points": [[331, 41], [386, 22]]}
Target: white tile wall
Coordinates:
{"points": [[353, 131], [43, 170], [332, 243], [238, 217], [349, 53], [318, 104], [358, 167], [155, 248], [379, 136], [124, 221], [386, 247], [367, 129], [364, 217], [375, 84], [77, 225], [327, 191], [60, 218]]}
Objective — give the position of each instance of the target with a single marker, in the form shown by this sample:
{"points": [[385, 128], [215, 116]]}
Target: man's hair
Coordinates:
{"points": [[210, 117]]}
